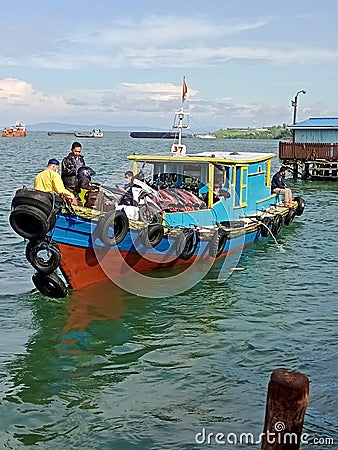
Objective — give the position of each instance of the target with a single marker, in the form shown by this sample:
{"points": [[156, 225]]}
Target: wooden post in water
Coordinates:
{"points": [[287, 400]]}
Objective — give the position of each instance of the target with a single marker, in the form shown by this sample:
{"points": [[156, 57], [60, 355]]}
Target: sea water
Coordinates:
{"points": [[106, 369]]}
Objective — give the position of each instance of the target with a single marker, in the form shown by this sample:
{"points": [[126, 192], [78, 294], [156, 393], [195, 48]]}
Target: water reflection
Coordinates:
{"points": [[72, 339]]}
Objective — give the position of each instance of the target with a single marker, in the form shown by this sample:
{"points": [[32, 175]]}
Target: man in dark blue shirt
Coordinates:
{"points": [[278, 186]]}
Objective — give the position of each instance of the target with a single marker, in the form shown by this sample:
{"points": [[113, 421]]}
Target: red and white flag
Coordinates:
{"points": [[185, 91]]}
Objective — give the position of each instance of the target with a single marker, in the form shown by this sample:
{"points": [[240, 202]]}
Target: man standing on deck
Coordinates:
{"points": [[278, 186], [70, 166], [50, 181]]}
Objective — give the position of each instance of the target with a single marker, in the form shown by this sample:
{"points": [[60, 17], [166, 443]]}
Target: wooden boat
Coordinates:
{"points": [[186, 209], [17, 130], [92, 134]]}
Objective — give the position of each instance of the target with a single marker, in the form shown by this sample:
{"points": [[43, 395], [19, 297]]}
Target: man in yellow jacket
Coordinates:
{"points": [[49, 180]]}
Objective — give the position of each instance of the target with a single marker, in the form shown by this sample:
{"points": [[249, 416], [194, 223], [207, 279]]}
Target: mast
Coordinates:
{"points": [[181, 120]]}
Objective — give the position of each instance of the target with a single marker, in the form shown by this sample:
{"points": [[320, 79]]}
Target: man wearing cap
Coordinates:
{"points": [[49, 180], [278, 186]]}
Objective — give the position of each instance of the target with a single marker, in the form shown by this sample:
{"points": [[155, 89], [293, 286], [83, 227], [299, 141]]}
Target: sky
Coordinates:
{"points": [[122, 62]]}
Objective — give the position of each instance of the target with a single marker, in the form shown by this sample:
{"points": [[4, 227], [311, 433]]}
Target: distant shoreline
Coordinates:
{"points": [[276, 132]]}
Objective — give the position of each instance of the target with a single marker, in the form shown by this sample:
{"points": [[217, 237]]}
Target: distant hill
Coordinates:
{"points": [[57, 126], [274, 132]]}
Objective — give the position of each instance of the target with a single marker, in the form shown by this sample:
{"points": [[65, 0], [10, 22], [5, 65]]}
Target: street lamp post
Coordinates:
{"points": [[294, 104]]}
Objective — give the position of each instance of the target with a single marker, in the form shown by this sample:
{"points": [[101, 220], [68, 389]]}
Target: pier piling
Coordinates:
{"points": [[287, 400]]}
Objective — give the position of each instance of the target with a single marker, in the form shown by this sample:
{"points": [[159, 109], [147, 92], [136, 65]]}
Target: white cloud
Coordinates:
{"points": [[156, 42], [164, 31], [18, 97], [150, 104]]}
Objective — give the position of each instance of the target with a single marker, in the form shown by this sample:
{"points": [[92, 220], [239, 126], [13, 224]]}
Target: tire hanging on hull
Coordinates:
{"points": [[188, 243], [276, 225], [217, 243], [30, 222], [50, 285], [151, 235], [300, 206], [117, 221], [265, 226], [31, 197], [32, 213], [43, 265], [290, 216]]}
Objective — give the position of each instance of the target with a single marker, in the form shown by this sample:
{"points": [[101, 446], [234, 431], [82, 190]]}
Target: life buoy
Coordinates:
{"points": [[151, 235], [290, 216], [300, 205], [36, 252], [265, 226], [217, 243], [50, 285], [30, 222], [118, 222], [276, 225], [190, 239]]}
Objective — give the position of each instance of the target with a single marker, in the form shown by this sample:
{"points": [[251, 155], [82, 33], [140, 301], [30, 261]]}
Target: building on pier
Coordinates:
{"points": [[313, 151]]}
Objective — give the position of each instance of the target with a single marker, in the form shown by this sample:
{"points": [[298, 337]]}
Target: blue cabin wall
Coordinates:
{"points": [[259, 190], [316, 136]]}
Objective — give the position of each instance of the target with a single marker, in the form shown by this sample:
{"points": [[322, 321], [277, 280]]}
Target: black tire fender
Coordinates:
{"points": [[290, 216], [151, 235], [300, 205], [277, 223], [265, 226], [190, 238], [51, 220], [217, 243], [116, 220], [50, 285], [29, 222], [42, 265], [31, 197]]}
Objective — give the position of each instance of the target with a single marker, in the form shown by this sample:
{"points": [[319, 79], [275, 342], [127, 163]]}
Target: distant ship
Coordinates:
{"points": [[85, 134], [55, 133], [155, 134], [205, 136], [17, 130], [91, 134]]}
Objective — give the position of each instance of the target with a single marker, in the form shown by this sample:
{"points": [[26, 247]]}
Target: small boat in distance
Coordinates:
{"points": [[92, 134], [205, 136], [155, 134], [17, 130]]}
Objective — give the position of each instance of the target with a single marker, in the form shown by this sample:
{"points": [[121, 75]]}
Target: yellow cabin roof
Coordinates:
{"points": [[208, 157]]}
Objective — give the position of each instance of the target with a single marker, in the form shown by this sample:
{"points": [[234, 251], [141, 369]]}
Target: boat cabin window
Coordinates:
{"points": [[182, 175], [241, 186], [194, 171], [174, 174], [221, 176]]}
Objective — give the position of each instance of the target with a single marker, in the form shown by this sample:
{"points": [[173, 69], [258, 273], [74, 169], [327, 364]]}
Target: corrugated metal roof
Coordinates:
{"points": [[317, 122]]}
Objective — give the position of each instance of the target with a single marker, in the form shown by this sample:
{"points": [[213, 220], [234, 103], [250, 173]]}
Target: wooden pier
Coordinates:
{"points": [[310, 161]]}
